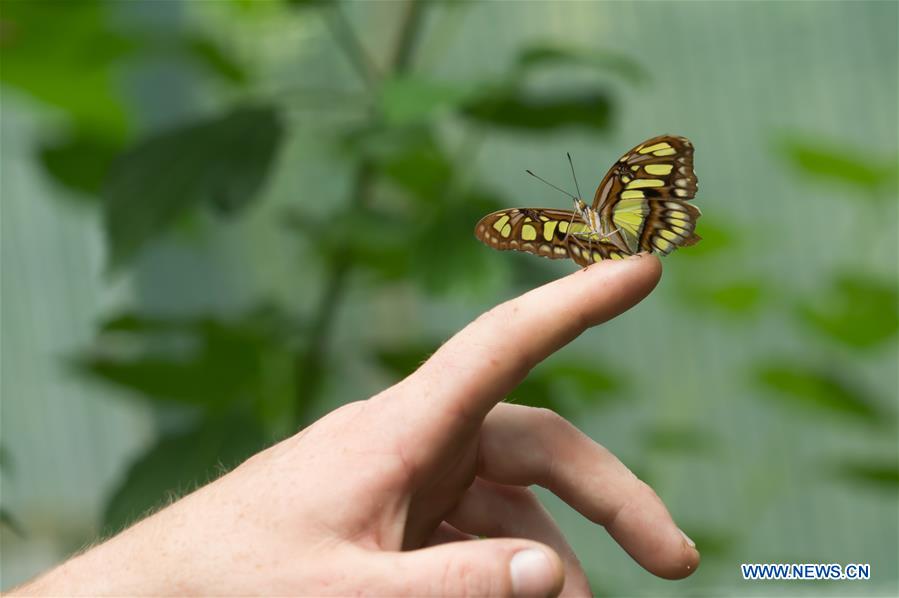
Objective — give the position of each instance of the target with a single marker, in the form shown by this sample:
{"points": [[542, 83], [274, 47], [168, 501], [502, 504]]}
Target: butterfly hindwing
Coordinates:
{"points": [[587, 251], [669, 225], [545, 232]]}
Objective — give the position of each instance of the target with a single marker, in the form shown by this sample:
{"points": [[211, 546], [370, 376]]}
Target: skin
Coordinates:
{"points": [[387, 496]]}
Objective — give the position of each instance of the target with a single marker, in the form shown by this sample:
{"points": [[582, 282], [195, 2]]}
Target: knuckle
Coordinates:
{"points": [[547, 417], [519, 498]]}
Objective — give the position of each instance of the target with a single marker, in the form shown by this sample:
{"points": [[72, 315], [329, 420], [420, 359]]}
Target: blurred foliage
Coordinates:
{"points": [[68, 63], [826, 162], [73, 64], [717, 237], [857, 311], [221, 162], [819, 389], [236, 378], [604, 62], [203, 362], [876, 472], [701, 285], [582, 384], [182, 460], [7, 520], [79, 161], [410, 99], [515, 109], [714, 544], [738, 297], [6, 517], [671, 439], [852, 310]]}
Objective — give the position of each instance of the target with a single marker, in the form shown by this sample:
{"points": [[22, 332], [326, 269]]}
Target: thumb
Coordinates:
{"points": [[506, 567]]}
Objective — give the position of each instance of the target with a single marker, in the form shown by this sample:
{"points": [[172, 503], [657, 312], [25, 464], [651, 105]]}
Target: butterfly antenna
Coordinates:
{"points": [[574, 176], [543, 180]]}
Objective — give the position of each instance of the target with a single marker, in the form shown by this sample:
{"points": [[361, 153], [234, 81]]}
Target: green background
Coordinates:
{"points": [[221, 220]]}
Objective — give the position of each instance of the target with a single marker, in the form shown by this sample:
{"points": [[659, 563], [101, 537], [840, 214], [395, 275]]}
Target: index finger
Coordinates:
{"points": [[452, 392]]}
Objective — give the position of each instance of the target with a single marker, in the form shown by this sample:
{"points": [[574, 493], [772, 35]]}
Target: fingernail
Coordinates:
{"points": [[687, 538], [533, 574]]}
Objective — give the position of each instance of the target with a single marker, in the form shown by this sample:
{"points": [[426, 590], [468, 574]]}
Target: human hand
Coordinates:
{"points": [[380, 496]]}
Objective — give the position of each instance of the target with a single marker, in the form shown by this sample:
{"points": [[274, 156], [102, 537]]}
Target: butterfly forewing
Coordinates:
{"points": [[555, 234]]}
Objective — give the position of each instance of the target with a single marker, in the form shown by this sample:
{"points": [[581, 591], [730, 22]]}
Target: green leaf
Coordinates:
{"points": [[6, 461], [857, 311], [519, 110], [589, 381], [80, 161], [221, 162], [827, 162], [740, 297], [9, 521], [203, 362], [179, 462], [469, 266], [311, 3], [67, 57], [820, 389], [716, 238], [536, 391], [383, 250], [736, 298], [410, 100], [877, 472], [402, 361], [551, 54], [564, 386], [713, 544], [213, 57], [672, 439], [410, 157]]}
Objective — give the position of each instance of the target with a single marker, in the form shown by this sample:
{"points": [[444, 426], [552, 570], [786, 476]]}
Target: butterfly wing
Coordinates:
{"points": [[555, 234], [644, 197]]}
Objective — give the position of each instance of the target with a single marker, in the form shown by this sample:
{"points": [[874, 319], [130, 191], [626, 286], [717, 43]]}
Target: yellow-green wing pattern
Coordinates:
{"points": [[644, 197], [555, 234]]}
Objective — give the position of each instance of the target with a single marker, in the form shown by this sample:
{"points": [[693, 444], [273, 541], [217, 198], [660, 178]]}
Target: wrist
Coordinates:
{"points": [[123, 565]]}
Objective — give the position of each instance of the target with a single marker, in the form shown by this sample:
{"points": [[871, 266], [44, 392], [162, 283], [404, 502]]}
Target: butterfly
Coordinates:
{"points": [[641, 205]]}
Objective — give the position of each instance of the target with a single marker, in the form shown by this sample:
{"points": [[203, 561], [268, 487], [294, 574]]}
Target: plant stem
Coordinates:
{"points": [[408, 36], [311, 365], [346, 38]]}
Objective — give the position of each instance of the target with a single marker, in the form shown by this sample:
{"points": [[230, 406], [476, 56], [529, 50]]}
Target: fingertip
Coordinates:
{"points": [[644, 265], [675, 558], [647, 268], [536, 571], [648, 264], [623, 283], [684, 566]]}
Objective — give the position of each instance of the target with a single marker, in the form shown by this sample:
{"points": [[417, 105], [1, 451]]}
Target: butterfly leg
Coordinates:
{"points": [[570, 222], [579, 238], [590, 236]]}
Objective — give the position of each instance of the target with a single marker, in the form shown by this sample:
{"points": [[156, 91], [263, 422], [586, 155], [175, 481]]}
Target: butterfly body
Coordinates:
{"points": [[641, 205]]}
